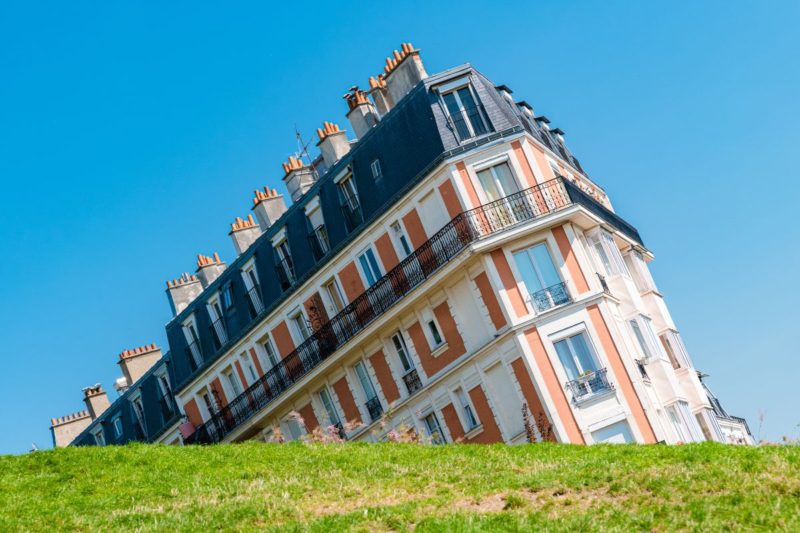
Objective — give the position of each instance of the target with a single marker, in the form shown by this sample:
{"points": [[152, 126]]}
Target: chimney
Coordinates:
{"points": [[136, 362], [209, 268], [183, 291], [96, 400], [526, 109], [297, 177], [65, 428], [505, 92], [121, 385], [362, 114], [268, 206], [403, 71], [244, 232], [332, 143], [380, 94]]}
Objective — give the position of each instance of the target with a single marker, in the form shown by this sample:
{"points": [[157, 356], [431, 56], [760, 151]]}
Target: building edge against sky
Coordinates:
{"points": [[452, 265]]}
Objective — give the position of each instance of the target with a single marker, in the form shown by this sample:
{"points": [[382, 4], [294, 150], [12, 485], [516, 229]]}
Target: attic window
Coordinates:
{"points": [[464, 110]]}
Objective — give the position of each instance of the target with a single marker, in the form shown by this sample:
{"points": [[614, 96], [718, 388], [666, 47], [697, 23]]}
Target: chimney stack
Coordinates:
{"points": [[96, 400], [244, 232], [136, 362], [380, 94], [362, 114], [332, 143], [209, 268], [183, 291], [403, 71], [268, 206], [65, 428], [297, 177]]}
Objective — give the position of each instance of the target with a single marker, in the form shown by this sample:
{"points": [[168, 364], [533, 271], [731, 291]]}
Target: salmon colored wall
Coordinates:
{"points": [[541, 160], [527, 171], [467, 182], [509, 283], [455, 344], [490, 300], [453, 423], [414, 228], [217, 386], [384, 374], [342, 390], [554, 387], [283, 339], [351, 281], [256, 362], [309, 418], [623, 379], [241, 374], [490, 433], [450, 198], [570, 260], [193, 413], [315, 310], [535, 406], [386, 252]]}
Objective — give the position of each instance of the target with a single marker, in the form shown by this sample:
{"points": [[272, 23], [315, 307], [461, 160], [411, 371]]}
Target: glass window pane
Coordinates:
{"points": [[505, 179], [529, 276], [546, 267], [582, 353], [456, 115], [489, 186], [640, 338], [565, 355], [472, 111], [366, 384]]}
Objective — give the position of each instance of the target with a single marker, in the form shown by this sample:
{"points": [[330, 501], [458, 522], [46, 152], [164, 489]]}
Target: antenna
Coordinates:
{"points": [[302, 151]]}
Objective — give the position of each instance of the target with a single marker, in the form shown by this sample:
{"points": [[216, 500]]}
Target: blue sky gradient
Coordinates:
{"points": [[132, 134]]}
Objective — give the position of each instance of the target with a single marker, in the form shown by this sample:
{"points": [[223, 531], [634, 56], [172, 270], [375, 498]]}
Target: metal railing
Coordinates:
{"points": [[318, 240], [412, 381], [374, 408], [254, 303], [219, 333], [194, 354], [451, 240], [351, 209], [589, 384], [550, 297], [285, 270]]}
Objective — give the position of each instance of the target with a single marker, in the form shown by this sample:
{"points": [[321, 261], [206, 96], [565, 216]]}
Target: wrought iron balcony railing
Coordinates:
{"points": [[412, 381], [285, 270], [448, 242], [550, 297], [194, 355], [351, 208], [318, 240], [374, 408], [589, 384], [254, 303], [219, 332]]}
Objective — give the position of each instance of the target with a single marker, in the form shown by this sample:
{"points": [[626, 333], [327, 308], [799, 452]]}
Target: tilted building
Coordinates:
{"points": [[449, 263]]}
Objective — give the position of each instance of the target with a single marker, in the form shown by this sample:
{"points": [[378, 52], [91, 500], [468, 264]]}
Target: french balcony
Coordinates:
{"points": [[412, 381], [550, 297], [589, 384], [374, 408], [219, 332], [351, 209], [285, 270], [194, 355], [254, 303], [318, 239], [463, 230]]}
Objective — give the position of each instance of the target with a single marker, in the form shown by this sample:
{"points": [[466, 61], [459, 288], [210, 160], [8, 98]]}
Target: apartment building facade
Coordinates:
{"points": [[449, 268]]}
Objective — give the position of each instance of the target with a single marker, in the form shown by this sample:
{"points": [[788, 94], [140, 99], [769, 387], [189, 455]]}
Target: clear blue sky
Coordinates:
{"points": [[131, 134]]}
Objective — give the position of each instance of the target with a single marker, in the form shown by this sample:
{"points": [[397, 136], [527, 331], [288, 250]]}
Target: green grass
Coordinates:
{"points": [[374, 487]]}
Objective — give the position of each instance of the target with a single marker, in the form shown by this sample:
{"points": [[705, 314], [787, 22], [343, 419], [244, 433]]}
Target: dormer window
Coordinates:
{"points": [[253, 288], [217, 317], [193, 352], [351, 207], [464, 109], [285, 265], [317, 233]]}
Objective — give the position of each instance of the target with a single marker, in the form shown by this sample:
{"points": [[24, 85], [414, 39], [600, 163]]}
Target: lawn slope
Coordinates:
{"points": [[367, 487]]}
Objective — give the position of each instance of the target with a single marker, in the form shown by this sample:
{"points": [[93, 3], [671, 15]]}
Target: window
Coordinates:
{"points": [[541, 278], [251, 370], [498, 181], [300, 326], [576, 356], [269, 351], [643, 331], [468, 416], [369, 267], [462, 106], [676, 351], [351, 208], [116, 423], [165, 397], [227, 296], [400, 240], [375, 167], [372, 403], [327, 402], [217, 322], [233, 383], [434, 429], [402, 352], [211, 406], [251, 285], [138, 410], [295, 431], [318, 235], [607, 252], [99, 437], [334, 296], [285, 266], [436, 337], [639, 271], [193, 344]]}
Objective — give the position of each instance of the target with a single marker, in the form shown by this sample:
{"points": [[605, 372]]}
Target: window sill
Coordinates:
{"points": [[596, 397], [474, 432], [439, 350]]}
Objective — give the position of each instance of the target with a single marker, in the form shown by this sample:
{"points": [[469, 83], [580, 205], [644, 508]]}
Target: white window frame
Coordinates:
{"points": [[250, 278], [566, 335], [603, 241], [232, 382], [361, 269], [136, 400], [646, 339], [400, 239], [99, 435], [673, 339], [375, 168], [328, 299], [369, 392], [300, 330], [250, 366], [441, 437], [217, 315], [116, 424], [266, 346], [189, 327], [329, 406], [640, 273], [284, 253], [466, 411], [452, 88], [406, 353]]}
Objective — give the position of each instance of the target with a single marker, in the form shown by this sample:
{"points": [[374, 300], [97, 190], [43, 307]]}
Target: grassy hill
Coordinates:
{"points": [[258, 486]]}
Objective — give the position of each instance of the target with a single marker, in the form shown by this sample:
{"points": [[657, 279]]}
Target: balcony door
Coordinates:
{"points": [[540, 277], [576, 356], [499, 183]]}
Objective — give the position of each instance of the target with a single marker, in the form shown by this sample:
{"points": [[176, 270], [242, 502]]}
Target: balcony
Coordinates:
{"points": [[194, 355], [318, 240], [412, 381], [589, 385], [285, 271], [351, 209], [254, 303], [374, 408], [463, 230], [219, 332], [550, 297]]}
